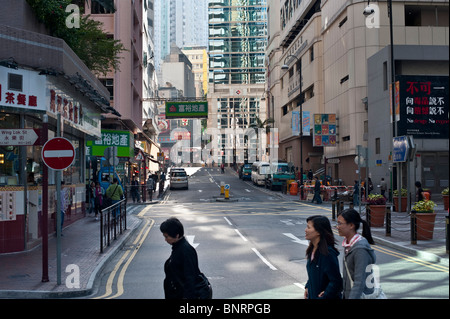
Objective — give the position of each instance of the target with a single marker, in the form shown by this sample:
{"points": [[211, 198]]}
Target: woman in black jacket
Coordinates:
{"points": [[324, 277], [183, 277]]}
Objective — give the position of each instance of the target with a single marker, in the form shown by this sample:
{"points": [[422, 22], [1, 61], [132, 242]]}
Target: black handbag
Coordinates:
{"points": [[203, 287]]}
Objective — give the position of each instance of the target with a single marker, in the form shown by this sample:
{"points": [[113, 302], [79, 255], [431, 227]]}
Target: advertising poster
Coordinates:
{"points": [[324, 130]]}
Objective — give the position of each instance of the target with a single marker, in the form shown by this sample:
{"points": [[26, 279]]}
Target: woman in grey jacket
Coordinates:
{"points": [[358, 254]]}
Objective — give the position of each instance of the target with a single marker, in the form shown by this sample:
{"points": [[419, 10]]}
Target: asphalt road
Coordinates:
{"points": [[252, 247]]}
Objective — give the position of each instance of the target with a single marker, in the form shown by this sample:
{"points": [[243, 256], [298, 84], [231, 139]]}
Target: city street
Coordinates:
{"points": [[250, 248]]}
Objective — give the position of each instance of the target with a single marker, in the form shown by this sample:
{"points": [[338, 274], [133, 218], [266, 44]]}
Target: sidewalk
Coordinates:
{"points": [[21, 273], [431, 250]]}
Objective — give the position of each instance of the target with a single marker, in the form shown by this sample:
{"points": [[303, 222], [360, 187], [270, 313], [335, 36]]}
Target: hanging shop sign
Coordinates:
{"points": [[74, 111], [22, 89], [198, 109], [123, 140]]}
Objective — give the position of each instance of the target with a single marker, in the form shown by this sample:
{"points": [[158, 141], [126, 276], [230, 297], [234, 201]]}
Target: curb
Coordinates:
{"points": [[42, 294]]}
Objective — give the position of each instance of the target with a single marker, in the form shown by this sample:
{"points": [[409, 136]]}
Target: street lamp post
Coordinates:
{"points": [[367, 12], [286, 67]]}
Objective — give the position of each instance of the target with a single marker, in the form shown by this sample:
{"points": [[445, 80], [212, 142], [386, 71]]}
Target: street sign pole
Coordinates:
{"points": [[44, 221], [58, 211]]}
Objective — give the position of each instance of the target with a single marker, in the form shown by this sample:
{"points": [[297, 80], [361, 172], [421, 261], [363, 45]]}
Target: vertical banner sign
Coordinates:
{"points": [[423, 106], [295, 123], [306, 123], [324, 133]]}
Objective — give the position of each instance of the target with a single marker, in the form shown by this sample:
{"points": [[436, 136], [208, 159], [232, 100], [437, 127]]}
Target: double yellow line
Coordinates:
{"points": [[128, 257], [418, 261]]}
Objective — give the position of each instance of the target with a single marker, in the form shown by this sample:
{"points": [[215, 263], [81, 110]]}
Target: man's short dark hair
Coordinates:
{"points": [[172, 227]]}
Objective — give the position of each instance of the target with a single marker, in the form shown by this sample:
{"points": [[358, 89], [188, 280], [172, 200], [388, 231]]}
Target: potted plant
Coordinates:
{"points": [[377, 209], [404, 199], [425, 218], [445, 198]]}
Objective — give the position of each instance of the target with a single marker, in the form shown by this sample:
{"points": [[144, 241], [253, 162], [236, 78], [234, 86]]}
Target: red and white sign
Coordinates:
{"points": [[58, 153]]}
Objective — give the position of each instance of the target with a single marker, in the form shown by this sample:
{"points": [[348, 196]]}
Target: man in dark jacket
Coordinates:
{"points": [[181, 269], [317, 191]]}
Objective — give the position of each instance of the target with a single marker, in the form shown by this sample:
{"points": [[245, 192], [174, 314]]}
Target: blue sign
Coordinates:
{"points": [[401, 148]]}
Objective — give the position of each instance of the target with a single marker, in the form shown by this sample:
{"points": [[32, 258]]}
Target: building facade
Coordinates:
{"points": [[41, 79], [132, 87], [237, 42], [345, 59]]}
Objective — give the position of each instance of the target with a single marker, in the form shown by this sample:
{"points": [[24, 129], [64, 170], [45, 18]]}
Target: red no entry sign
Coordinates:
{"points": [[58, 153]]}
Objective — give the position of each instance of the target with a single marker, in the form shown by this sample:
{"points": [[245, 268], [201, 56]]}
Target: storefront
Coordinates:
{"points": [[124, 143], [27, 99]]}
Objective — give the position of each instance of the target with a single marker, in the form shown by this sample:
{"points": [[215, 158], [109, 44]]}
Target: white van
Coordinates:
{"points": [[260, 170]]}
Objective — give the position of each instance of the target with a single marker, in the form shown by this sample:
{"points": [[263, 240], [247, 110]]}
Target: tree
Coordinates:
{"points": [[257, 124], [99, 52]]}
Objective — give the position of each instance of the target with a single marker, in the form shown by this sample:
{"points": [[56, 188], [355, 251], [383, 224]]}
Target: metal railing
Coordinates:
{"points": [[113, 221]]}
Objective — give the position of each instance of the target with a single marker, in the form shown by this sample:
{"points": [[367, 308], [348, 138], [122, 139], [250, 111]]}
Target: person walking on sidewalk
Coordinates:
{"points": [[135, 190], [317, 189], [324, 277], [115, 192], [358, 254], [98, 193], [150, 186]]}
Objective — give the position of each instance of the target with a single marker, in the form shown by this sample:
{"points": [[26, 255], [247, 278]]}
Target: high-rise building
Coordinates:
{"points": [[237, 42], [183, 22]]}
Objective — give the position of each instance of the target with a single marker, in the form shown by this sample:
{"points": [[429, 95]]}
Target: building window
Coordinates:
{"points": [[311, 53], [109, 84], [424, 16], [377, 146], [102, 7], [346, 138], [345, 78]]}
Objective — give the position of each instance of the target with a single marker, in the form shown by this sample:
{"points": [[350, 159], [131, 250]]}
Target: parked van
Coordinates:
{"points": [[279, 174], [260, 170]]}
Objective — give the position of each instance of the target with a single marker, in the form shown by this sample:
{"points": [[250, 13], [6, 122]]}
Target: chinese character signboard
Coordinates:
{"points": [[186, 110], [122, 139], [22, 89], [423, 106], [72, 110], [324, 133]]}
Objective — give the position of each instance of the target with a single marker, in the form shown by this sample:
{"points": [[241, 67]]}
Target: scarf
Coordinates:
{"points": [[347, 246]]}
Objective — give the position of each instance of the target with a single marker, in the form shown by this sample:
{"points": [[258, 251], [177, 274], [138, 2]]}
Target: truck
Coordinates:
{"points": [[280, 173]]}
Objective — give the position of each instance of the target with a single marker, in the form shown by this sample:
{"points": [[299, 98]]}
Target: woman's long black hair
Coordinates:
{"points": [[323, 227], [351, 216]]}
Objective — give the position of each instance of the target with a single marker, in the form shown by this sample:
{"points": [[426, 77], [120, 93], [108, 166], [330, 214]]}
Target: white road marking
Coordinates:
{"points": [[190, 239], [264, 259], [229, 223], [299, 285], [296, 240], [243, 238]]}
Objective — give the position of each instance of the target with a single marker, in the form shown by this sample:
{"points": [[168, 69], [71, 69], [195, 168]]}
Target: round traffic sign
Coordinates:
{"points": [[58, 153]]}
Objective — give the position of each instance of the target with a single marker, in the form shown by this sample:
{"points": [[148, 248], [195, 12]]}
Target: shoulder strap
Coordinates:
{"points": [[114, 191], [348, 273]]}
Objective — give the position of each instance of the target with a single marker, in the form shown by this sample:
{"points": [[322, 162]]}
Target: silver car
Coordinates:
{"points": [[179, 179]]}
